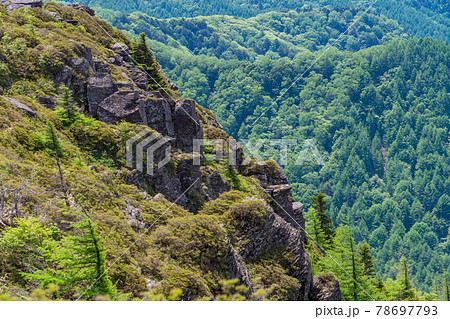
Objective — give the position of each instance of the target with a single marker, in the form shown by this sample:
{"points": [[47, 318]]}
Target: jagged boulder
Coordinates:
{"points": [[63, 77], [100, 85], [214, 183], [157, 113], [325, 287], [12, 5], [237, 269], [122, 50], [138, 76], [79, 6], [121, 105], [86, 53], [279, 233]]}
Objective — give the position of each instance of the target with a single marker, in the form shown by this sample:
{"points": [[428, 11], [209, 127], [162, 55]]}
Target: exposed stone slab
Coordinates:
{"points": [[12, 5], [21, 106]]}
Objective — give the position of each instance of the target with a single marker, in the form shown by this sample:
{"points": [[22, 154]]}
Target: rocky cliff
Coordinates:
{"points": [[258, 219], [12, 5]]}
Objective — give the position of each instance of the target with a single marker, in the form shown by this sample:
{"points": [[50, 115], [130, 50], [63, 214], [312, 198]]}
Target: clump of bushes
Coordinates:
{"points": [[159, 210], [197, 240], [247, 214], [222, 204]]}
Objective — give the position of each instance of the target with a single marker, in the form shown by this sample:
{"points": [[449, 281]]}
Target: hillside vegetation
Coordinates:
{"points": [[420, 17]]}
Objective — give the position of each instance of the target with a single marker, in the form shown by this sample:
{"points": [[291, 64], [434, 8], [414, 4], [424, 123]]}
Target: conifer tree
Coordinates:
{"points": [[366, 259], [436, 291], [379, 284], [66, 109], [54, 145], [318, 245], [320, 205], [314, 229], [344, 264], [403, 278], [146, 60], [355, 271], [446, 286], [79, 267]]}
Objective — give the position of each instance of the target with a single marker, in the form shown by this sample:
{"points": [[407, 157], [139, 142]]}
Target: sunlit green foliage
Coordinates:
{"points": [[421, 18]]}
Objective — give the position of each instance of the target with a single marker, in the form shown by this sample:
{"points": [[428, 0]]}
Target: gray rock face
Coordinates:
{"points": [[277, 187], [215, 184], [121, 105], [81, 66], [279, 233], [138, 76], [285, 229], [47, 101], [100, 86], [283, 205], [86, 53], [63, 77], [12, 5], [97, 92], [237, 269], [75, 74], [157, 113], [173, 183], [187, 125], [325, 287], [122, 50]]}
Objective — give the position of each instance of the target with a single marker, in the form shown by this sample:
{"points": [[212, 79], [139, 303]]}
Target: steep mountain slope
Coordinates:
{"points": [[379, 117], [420, 18], [180, 233]]}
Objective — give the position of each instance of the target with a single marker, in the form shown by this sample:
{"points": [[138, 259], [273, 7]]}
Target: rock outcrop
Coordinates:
{"points": [[237, 269], [79, 6], [325, 288], [280, 233], [12, 5]]}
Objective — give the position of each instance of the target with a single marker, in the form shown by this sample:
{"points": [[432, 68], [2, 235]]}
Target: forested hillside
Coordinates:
{"points": [[197, 54], [419, 17], [275, 34], [380, 117]]}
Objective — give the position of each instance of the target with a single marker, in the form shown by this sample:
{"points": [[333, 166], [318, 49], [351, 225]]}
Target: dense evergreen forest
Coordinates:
{"points": [[378, 113], [273, 34], [419, 17]]}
